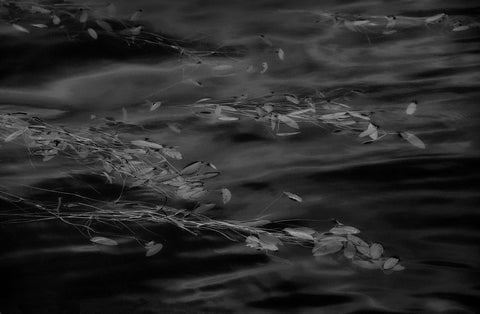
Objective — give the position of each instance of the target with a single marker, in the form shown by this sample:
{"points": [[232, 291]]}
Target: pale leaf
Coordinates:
{"points": [[327, 247], [344, 230], [15, 134], [226, 195], [92, 33], [376, 250], [153, 248], [56, 20], [370, 129], [293, 197], [83, 17], [293, 99], [288, 121], [281, 54], [411, 108], [264, 67], [390, 263], [155, 105], [103, 241], [300, 233], [413, 139], [20, 28]]}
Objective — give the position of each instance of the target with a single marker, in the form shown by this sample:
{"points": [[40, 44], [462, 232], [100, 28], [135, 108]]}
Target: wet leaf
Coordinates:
{"points": [[56, 20], [300, 233], [364, 250], [435, 18], [192, 168], [103, 241], [293, 99], [358, 115], [83, 17], [20, 28], [376, 250], [135, 30], [281, 54], [227, 118], [39, 25], [398, 267], [37, 9], [269, 242], [327, 247], [411, 108], [390, 263], [172, 153], [293, 196], [356, 240], [153, 248], [141, 143], [15, 134], [155, 105], [226, 195], [92, 33], [287, 133], [370, 130], [349, 251], [460, 28], [413, 139], [367, 264], [344, 230], [104, 25], [203, 208], [264, 67], [288, 121]]}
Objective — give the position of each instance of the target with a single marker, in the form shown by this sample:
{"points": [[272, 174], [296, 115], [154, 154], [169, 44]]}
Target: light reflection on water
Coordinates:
{"points": [[421, 205]]}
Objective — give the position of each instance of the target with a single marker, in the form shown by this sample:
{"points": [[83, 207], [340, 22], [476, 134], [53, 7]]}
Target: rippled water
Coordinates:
{"points": [[422, 205]]}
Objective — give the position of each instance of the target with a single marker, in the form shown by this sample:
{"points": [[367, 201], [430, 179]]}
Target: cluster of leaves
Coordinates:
{"points": [[141, 163], [283, 114], [89, 21], [145, 163]]}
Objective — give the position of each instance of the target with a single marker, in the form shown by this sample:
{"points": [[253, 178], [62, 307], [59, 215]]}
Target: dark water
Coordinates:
{"points": [[422, 205]]}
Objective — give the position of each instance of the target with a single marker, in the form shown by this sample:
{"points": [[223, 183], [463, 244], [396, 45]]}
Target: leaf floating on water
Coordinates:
{"points": [[356, 240], [398, 267], [300, 233], [358, 115], [20, 28], [344, 230], [368, 264], [226, 195], [104, 241], [293, 196], [390, 263], [411, 108], [155, 105], [269, 242], [293, 99], [92, 33], [227, 118], [142, 143], [376, 250], [172, 153], [325, 247], [281, 54], [192, 168], [287, 133], [15, 134], [435, 18], [153, 248], [37, 9], [203, 208], [83, 17], [264, 67], [391, 21], [56, 20], [370, 130], [349, 251], [460, 28], [104, 25], [39, 25], [136, 15], [288, 121], [135, 30], [413, 139]]}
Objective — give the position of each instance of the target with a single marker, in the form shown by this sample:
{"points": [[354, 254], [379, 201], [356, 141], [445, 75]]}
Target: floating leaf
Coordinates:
{"points": [[37, 9], [344, 230], [103, 241], [288, 121], [356, 240], [264, 67], [413, 139], [281, 54], [358, 115], [411, 108], [435, 18], [83, 17], [56, 20], [15, 134], [269, 242], [398, 267], [293, 99], [287, 133], [327, 247], [226, 195], [460, 28], [368, 264], [227, 118], [192, 168], [104, 25], [153, 248], [349, 251], [300, 233], [39, 25], [361, 23], [172, 153], [370, 130], [20, 28], [92, 33], [155, 105], [376, 250], [390, 263], [293, 196], [364, 250], [141, 143]]}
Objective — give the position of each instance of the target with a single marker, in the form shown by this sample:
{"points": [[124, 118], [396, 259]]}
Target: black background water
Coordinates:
{"points": [[422, 205]]}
